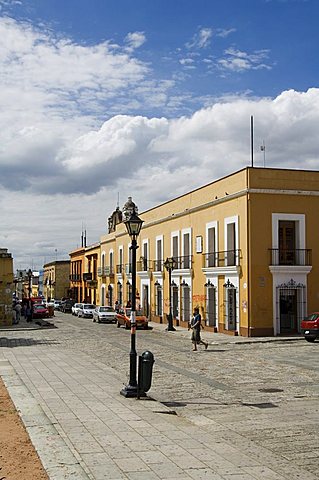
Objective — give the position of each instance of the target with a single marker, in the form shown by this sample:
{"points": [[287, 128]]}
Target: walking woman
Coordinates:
{"points": [[195, 325]]}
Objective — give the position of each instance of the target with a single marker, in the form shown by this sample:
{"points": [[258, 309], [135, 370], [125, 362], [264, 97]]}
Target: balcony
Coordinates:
{"points": [[144, 265], [105, 271], [120, 268], [227, 258], [74, 277], [294, 257], [158, 265], [182, 263], [128, 268]]}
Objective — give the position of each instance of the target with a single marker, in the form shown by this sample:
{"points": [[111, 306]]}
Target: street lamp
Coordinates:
{"points": [[170, 264], [29, 282], [133, 226]]}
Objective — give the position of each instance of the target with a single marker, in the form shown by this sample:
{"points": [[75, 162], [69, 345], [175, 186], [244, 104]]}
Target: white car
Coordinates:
{"points": [[86, 310], [57, 304], [104, 314], [76, 307]]}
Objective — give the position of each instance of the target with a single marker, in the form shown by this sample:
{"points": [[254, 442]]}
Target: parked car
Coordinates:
{"points": [[86, 310], [50, 303], [57, 304], [40, 311], [123, 318], [66, 306], [310, 327], [104, 314], [75, 308]]}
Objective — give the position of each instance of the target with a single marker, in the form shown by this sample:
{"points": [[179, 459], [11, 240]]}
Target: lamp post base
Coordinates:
{"points": [[129, 391], [170, 326]]}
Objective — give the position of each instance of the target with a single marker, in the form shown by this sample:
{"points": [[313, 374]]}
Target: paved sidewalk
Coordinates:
{"points": [[83, 428]]}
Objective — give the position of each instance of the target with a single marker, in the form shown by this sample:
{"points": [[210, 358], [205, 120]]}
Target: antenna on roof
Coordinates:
{"points": [[252, 139], [263, 149]]}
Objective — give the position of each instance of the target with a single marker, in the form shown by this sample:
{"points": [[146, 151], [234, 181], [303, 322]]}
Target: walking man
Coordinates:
{"points": [[195, 325]]}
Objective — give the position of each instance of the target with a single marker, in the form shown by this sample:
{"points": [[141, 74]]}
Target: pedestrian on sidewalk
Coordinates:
{"points": [[195, 326], [29, 312], [18, 309], [14, 316]]}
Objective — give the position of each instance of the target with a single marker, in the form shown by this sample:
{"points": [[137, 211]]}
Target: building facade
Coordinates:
{"points": [[6, 287], [76, 274], [244, 249], [56, 279], [90, 274]]}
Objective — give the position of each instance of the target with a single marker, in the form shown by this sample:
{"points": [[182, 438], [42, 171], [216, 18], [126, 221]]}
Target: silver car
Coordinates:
{"points": [[86, 310], [104, 314], [76, 307]]}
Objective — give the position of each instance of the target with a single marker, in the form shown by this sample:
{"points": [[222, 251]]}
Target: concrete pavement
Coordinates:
{"points": [[83, 428]]}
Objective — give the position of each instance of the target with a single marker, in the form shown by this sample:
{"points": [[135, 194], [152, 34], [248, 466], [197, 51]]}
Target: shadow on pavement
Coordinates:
{"points": [[24, 342]]}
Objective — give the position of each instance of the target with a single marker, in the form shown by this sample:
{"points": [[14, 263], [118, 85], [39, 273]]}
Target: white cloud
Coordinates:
{"points": [[238, 61], [186, 61], [224, 33], [135, 39], [201, 39]]}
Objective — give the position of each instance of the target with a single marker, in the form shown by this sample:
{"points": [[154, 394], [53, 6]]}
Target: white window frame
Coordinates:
{"points": [[300, 231], [229, 221], [161, 239], [175, 234]]}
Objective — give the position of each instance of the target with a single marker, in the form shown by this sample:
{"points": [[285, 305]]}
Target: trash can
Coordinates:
{"points": [[145, 370]]}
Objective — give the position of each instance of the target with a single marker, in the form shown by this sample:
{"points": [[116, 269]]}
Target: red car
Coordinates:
{"points": [[40, 311], [123, 318], [310, 327]]}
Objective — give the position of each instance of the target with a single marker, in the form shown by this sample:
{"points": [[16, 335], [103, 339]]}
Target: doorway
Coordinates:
{"points": [[291, 306], [145, 301]]}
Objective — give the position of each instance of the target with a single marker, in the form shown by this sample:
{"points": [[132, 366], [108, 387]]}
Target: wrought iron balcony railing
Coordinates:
{"points": [[227, 258], [128, 268], [295, 257], [183, 262], [144, 265], [158, 265], [105, 271], [120, 268], [75, 277]]}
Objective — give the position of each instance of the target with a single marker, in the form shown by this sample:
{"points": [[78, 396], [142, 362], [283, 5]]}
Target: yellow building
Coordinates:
{"points": [[6, 287], [56, 279], [90, 274], [244, 249], [84, 273], [76, 274]]}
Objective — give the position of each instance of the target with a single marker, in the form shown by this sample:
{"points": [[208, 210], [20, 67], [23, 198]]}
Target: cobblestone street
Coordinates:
{"points": [[258, 398]]}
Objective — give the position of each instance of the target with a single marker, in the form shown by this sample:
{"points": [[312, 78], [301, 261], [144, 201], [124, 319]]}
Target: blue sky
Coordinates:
{"points": [[148, 99]]}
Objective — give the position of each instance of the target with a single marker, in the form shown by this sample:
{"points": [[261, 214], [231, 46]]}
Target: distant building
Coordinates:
{"points": [[77, 261], [56, 283], [6, 287]]}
